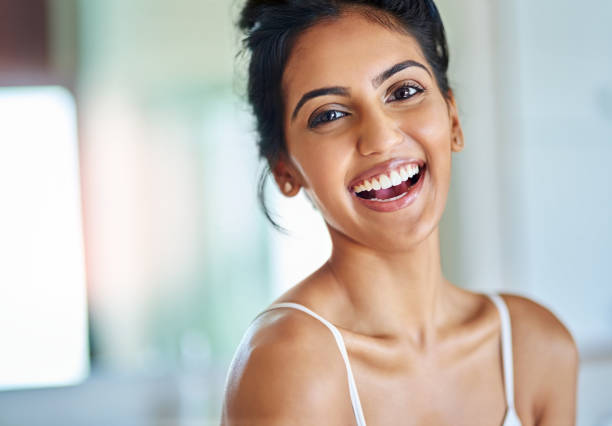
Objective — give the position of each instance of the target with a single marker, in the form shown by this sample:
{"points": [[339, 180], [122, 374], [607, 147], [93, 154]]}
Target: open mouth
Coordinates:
{"points": [[391, 186]]}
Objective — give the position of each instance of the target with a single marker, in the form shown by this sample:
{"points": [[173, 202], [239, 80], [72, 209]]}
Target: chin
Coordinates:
{"points": [[405, 240]]}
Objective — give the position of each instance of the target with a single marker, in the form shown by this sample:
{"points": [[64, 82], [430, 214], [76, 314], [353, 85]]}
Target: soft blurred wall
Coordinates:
{"points": [[169, 177], [532, 192], [177, 257], [531, 196]]}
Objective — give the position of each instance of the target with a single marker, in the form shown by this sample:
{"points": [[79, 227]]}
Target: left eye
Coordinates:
{"points": [[404, 92]]}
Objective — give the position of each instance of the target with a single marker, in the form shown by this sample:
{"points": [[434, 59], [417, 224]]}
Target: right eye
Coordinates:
{"points": [[326, 117]]}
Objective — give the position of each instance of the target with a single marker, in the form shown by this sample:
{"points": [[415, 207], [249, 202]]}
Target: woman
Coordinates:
{"points": [[353, 107]]}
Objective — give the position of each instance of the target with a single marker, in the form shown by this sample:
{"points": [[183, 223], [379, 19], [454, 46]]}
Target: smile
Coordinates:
{"points": [[394, 189]]}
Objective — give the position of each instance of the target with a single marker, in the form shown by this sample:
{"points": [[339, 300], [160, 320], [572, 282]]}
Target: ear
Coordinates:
{"points": [[286, 177], [457, 144]]}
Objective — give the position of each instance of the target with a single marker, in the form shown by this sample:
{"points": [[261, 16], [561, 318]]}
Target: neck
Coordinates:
{"points": [[392, 294]]}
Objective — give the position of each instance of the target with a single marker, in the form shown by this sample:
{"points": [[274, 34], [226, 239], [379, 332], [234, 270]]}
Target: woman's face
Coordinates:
{"points": [[369, 134]]}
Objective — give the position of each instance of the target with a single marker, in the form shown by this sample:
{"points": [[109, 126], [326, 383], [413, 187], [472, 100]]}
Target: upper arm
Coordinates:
{"points": [[559, 406], [285, 373], [547, 362]]}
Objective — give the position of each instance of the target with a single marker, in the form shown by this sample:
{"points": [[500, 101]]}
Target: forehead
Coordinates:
{"points": [[346, 51]]}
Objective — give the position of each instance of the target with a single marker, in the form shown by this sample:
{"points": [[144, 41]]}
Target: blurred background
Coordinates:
{"points": [[133, 254]]}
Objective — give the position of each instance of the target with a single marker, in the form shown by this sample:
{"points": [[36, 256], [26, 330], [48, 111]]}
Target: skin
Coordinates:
{"points": [[423, 351]]}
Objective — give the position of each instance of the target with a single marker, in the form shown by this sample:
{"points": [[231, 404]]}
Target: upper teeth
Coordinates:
{"points": [[384, 181]]}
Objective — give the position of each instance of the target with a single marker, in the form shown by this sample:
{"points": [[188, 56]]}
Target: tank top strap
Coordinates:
{"points": [[355, 401], [506, 346]]}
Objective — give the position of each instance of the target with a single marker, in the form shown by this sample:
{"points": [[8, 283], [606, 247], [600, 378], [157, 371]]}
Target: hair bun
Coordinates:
{"points": [[252, 10]]}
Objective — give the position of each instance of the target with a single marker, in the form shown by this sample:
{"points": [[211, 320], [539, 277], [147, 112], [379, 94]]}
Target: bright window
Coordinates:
{"points": [[43, 310]]}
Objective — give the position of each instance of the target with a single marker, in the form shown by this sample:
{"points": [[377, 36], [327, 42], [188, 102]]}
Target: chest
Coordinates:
{"points": [[435, 399], [466, 392]]}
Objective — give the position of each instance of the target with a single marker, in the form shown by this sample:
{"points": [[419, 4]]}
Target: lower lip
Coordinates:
{"points": [[390, 206]]}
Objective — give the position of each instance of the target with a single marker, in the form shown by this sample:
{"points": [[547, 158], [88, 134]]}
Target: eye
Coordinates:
{"points": [[326, 117], [406, 91]]}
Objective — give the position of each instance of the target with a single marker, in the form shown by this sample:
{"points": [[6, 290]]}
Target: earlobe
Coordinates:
{"points": [[287, 187], [285, 178], [457, 143]]}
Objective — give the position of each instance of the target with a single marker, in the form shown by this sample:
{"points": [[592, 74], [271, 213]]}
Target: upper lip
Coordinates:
{"points": [[384, 167]]}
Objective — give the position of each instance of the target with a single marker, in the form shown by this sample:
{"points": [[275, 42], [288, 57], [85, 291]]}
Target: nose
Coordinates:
{"points": [[379, 133]]}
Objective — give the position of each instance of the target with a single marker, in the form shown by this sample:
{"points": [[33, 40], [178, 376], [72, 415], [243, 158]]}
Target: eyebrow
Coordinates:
{"points": [[337, 90], [380, 78], [343, 91]]}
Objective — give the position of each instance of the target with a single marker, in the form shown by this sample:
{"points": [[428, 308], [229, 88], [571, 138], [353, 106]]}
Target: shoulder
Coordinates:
{"points": [[534, 324], [546, 357], [287, 367]]}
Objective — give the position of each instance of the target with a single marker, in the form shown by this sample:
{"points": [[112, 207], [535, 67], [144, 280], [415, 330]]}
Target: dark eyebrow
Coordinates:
{"points": [[342, 91], [379, 79]]}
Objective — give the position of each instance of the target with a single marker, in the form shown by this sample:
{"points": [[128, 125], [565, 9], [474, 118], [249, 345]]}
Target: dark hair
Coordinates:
{"points": [[272, 27]]}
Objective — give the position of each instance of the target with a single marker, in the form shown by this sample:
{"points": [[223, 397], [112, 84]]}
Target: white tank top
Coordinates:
{"points": [[510, 419]]}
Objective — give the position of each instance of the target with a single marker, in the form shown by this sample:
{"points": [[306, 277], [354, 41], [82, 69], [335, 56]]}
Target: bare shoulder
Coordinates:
{"points": [[286, 370], [536, 324], [546, 362]]}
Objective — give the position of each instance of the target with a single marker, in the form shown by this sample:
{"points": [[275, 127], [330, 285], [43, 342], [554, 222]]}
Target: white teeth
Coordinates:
{"points": [[385, 182], [375, 184], [396, 179]]}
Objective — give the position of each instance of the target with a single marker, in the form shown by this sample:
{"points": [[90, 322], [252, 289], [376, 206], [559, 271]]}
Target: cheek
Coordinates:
{"points": [[322, 164], [431, 126]]}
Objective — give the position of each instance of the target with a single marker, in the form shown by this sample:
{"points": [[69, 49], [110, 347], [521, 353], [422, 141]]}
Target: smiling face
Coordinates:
{"points": [[369, 134]]}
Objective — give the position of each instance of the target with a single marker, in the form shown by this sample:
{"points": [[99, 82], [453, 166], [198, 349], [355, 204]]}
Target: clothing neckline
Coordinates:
{"points": [[510, 418]]}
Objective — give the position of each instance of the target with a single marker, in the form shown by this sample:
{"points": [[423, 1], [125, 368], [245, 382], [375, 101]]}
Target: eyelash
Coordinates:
{"points": [[333, 114], [410, 85], [324, 117]]}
